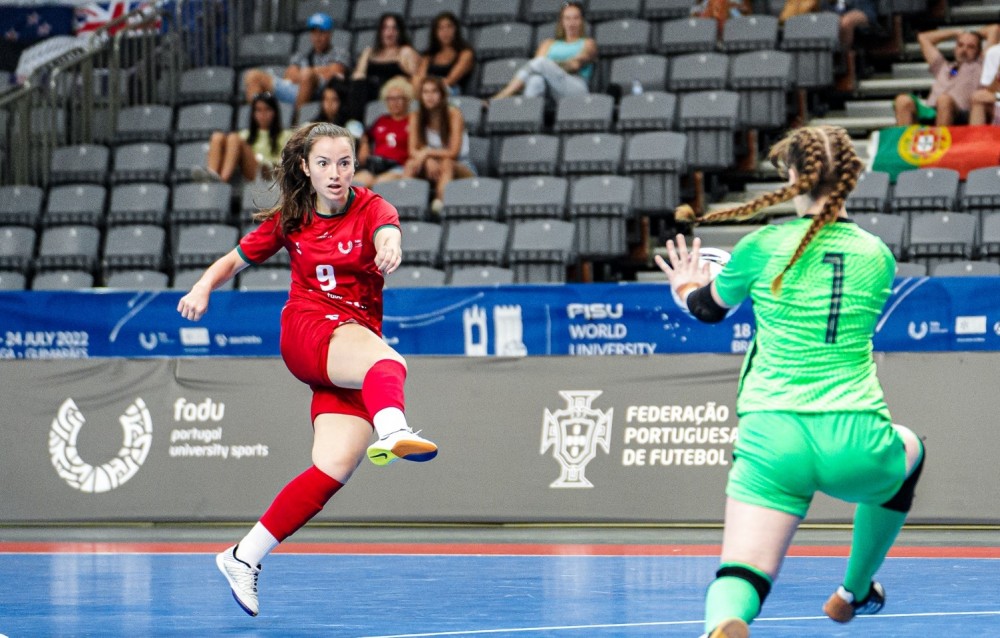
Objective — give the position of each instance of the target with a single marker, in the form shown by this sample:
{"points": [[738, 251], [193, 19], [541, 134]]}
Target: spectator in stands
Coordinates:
{"points": [[720, 10], [448, 55], [854, 15], [391, 55], [385, 146], [985, 98], [255, 150], [562, 65], [330, 103], [331, 333], [954, 83], [439, 142], [307, 73]]}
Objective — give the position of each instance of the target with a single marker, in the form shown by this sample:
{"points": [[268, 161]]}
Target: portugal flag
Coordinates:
{"points": [[962, 148]]}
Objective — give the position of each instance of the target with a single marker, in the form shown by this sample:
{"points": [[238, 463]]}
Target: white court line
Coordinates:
{"points": [[481, 632]]}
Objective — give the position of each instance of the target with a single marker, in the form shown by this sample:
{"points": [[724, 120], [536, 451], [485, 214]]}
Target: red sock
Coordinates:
{"points": [[383, 386], [298, 502]]}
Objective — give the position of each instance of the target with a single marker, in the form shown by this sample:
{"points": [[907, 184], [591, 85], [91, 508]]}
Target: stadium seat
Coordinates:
{"points": [[665, 9], [584, 113], [762, 79], [982, 190], [17, 248], [206, 202], [409, 196], [600, 204], [698, 72], [601, 10], [649, 111], [937, 237], [263, 49], [421, 243], [187, 156], [184, 278], [528, 155], [367, 12], [966, 269], [199, 121], [362, 38], [709, 118], [481, 276], [504, 40], [339, 10], [137, 280], [472, 111], [80, 163], [309, 112], [925, 190], [21, 205], [812, 39], [592, 153], [474, 242], [891, 229], [656, 160], [541, 249], [423, 12], [479, 154], [138, 246], [989, 236], [141, 162], [650, 71], [144, 123], [68, 248], [687, 35], [257, 196], [472, 198], [536, 196], [479, 12], [753, 32], [517, 114], [495, 74], [536, 11], [265, 279], [63, 280], [207, 84], [198, 245], [144, 203], [75, 204], [415, 277], [623, 36], [908, 269], [12, 280], [871, 193]]}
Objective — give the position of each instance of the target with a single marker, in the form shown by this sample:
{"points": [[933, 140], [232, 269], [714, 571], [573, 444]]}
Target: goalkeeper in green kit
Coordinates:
{"points": [[812, 414]]}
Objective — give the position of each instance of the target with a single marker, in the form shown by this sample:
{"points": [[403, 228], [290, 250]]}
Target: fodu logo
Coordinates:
{"points": [[137, 437], [574, 434]]}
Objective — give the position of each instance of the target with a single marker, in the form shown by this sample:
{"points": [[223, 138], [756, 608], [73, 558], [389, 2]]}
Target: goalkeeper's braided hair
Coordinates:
{"points": [[825, 164]]}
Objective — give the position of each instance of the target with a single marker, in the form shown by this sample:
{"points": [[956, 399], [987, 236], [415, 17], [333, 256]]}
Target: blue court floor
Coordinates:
{"points": [[460, 592]]}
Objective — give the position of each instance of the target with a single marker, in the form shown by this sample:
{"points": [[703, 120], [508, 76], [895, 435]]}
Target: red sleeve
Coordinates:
{"points": [[261, 242]]}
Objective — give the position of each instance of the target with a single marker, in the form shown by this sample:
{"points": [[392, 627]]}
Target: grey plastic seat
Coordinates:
{"points": [[709, 118], [871, 193], [257, 196], [698, 72], [208, 84], [891, 229], [687, 35], [68, 248], [415, 277], [199, 121], [472, 198], [144, 123], [665, 9], [541, 249], [753, 32], [623, 36], [12, 280], [536, 196], [138, 246], [264, 48], [17, 247], [600, 10], [75, 204], [142, 203], [517, 114], [505, 40], [925, 190], [265, 279], [812, 39], [989, 236], [423, 12], [528, 154], [374, 109], [543, 31], [363, 38], [137, 280], [936, 237], [963, 268], [479, 154], [63, 280], [421, 243], [600, 205], [201, 202], [982, 190], [187, 156], [536, 11], [592, 153], [243, 116], [309, 112], [198, 245], [650, 111], [649, 70], [762, 79], [656, 160], [481, 276], [491, 11], [21, 205], [367, 12], [910, 269], [472, 111], [584, 113], [474, 242], [79, 163], [141, 162], [339, 10], [495, 74], [408, 195]]}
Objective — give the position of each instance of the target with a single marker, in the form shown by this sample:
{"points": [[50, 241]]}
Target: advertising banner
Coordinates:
{"points": [[923, 314]]}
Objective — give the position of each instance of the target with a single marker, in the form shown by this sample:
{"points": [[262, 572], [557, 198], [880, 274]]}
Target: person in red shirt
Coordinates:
{"points": [[342, 241], [385, 146]]}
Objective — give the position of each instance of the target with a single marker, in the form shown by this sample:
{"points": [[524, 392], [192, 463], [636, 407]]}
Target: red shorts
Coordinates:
{"points": [[305, 346]]}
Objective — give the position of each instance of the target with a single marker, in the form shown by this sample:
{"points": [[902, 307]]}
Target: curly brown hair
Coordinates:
{"points": [[826, 166]]}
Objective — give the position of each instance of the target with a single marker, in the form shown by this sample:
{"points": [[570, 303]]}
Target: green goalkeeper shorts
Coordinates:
{"points": [[783, 458]]}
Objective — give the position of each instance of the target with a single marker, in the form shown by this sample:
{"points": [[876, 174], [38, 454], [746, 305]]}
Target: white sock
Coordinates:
{"points": [[389, 420], [257, 544]]}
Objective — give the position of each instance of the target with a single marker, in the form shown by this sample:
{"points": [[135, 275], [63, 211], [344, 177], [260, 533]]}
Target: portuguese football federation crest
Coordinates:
{"points": [[574, 434]]}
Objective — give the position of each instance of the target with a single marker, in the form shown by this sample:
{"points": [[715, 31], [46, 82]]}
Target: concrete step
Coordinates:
{"points": [[967, 12], [889, 87], [911, 70], [855, 125], [869, 108]]}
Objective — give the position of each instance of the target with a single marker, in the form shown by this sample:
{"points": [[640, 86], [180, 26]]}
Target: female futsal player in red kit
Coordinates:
{"points": [[342, 241]]}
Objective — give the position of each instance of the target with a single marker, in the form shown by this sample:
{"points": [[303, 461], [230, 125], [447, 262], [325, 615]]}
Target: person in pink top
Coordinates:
{"points": [[954, 82], [342, 240]]}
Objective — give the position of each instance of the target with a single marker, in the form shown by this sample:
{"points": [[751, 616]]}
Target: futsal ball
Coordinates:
{"points": [[716, 259]]}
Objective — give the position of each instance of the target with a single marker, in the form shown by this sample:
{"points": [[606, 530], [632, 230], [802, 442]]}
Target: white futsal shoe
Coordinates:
{"points": [[242, 579], [841, 607], [401, 444], [731, 628]]}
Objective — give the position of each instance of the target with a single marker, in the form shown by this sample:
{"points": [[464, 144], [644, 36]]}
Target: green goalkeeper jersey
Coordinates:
{"points": [[812, 351]]}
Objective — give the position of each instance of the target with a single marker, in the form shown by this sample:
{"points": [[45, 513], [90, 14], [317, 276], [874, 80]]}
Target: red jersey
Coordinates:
{"points": [[391, 138], [332, 257]]}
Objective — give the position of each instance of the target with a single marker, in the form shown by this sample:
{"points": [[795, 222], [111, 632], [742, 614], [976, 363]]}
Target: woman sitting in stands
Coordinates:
{"points": [[385, 146], [255, 150], [448, 55], [391, 56]]}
